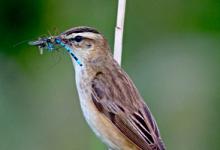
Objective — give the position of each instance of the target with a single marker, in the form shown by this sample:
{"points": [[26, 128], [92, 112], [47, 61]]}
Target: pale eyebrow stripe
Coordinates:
{"points": [[88, 35], [81, 30]]}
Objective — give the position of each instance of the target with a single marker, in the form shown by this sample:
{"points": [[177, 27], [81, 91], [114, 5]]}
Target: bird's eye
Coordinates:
{"points": [[78, 38]]}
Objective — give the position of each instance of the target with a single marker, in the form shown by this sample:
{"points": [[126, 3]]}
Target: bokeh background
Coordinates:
{"points": [[171, 51]]}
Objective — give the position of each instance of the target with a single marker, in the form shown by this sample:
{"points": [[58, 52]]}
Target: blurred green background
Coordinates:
{"points": [[171, 51]]}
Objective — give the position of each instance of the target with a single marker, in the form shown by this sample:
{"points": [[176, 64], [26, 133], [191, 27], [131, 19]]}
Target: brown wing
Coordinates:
{"points": [[114, 94]]}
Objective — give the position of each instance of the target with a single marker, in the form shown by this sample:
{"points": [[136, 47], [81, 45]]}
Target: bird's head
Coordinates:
{"points": [[87, 43]]}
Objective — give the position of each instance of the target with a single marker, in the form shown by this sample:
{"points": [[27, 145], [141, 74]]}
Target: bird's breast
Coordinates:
{"points": [[98, 122]]}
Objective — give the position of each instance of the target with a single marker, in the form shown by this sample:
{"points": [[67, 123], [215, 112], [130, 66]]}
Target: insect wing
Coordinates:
{"points": [[36, 43]]}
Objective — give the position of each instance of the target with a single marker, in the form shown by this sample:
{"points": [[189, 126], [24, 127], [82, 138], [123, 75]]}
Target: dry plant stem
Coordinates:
{"points": [[119, 30]]}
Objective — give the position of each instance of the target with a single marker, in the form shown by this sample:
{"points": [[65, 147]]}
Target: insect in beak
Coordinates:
{"points": [[50, 43], [43, 43]]}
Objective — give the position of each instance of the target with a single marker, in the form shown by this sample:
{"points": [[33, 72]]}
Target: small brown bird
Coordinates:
{"points": [[110, 102]]}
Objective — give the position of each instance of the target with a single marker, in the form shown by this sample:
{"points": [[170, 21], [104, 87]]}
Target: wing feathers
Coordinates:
{"points": [[131, 116]]}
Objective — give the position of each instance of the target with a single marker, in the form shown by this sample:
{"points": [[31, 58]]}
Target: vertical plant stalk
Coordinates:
{"points": [[119, 31]]}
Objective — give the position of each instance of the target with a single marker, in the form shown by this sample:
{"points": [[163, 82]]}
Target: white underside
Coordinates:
{"points": [[102, 127]]}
